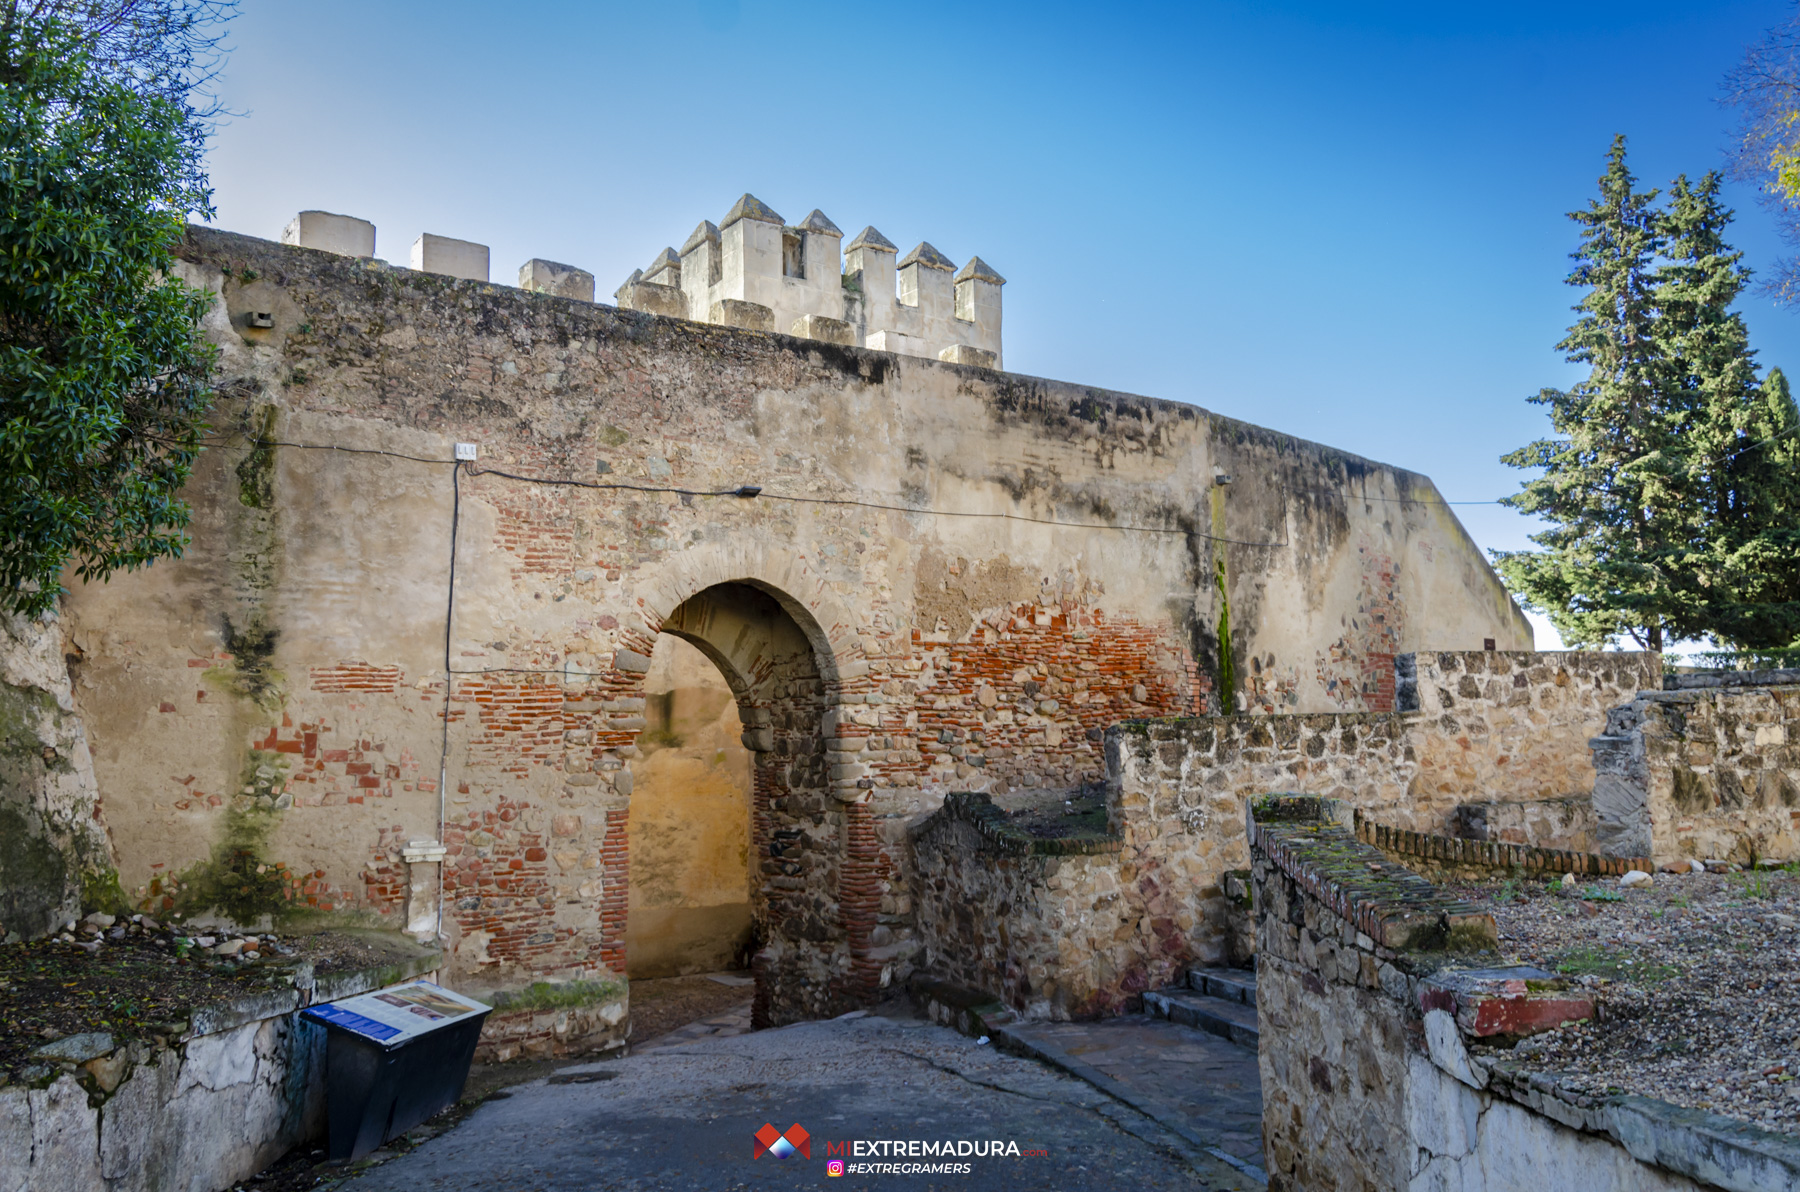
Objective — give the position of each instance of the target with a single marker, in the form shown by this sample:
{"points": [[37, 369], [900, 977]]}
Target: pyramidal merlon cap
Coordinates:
{"points": [[664, 258], [979, 270], [707, 230], [750, 207], [870, 238], [816, 222], [929, 257]]}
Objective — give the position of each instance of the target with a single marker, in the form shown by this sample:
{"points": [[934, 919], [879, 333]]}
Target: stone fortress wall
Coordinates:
{"points": [[952, 577]]}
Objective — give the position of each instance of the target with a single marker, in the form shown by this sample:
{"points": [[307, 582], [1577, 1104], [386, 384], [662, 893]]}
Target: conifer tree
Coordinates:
{"points": [[1622, 549], [1750, 564]]}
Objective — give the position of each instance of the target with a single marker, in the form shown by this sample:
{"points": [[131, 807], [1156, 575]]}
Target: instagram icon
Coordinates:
{"points": [[835, 1167]]}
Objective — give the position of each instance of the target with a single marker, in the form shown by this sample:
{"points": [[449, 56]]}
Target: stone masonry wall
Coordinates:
{"points": [[1053, 928], [1704, 772], [1089, 938], [952, 576], [1364, 973], [1486, 725]]}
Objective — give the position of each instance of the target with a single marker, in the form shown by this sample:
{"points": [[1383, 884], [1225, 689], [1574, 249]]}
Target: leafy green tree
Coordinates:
{"points": [[1620, 552], [103, 376]]}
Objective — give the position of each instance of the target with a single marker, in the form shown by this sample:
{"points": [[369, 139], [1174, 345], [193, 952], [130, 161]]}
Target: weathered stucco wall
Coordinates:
{"points": [[690, 822], [1703, 773], [54, 849], [268, 710]]}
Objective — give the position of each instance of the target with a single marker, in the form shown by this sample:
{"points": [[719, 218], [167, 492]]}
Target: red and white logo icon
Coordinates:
{"points": [[771, 1141]]}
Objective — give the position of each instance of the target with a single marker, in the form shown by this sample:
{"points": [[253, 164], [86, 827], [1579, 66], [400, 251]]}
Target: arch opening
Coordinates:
{"points": [[810, 905]]}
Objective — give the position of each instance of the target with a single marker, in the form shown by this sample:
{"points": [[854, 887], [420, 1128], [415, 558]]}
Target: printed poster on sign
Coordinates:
{"points": [[394, 1015]]}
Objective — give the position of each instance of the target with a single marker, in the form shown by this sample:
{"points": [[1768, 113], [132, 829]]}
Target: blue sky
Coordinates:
{"points": [[1343, 221]]}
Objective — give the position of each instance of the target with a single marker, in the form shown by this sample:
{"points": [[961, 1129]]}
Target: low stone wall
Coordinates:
{"points": [[1709, 771], [1475, 727], [1371, 982], [209, 1103], [1065, 937], [555, 1019], [1053, 928]]}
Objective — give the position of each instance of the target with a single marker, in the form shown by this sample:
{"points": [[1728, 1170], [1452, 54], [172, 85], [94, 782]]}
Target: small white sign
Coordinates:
{"points": [[394, 1015]]}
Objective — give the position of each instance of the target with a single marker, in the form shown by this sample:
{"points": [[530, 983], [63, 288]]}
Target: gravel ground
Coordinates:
{"points": [[1699, 977]]}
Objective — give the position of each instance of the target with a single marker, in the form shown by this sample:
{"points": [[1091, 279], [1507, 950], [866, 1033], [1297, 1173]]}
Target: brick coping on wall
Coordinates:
{"points": [[998, 835], [1303, 835], [1491, 854]]}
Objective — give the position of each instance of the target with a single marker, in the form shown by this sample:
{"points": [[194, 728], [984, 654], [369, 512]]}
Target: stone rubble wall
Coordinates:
{"points": [[1705, 771], [1052, 928], [1476, 724], [212, 1102], [1367, 1079], [1568, 824]]}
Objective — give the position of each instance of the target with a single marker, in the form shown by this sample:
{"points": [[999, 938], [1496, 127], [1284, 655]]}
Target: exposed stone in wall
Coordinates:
{"points": [[1177, 789], [54, 848], [1547, 823], [1702, 773]]}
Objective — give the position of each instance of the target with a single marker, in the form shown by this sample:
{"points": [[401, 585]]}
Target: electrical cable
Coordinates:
{"points": [[444, 739]]}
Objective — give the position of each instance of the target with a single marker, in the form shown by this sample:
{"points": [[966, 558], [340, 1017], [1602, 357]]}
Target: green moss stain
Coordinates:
{"points": [[612, 436], [1227, 671], [239, 880], [256, 471], [34, 874], [562, 995], [252, 674]]}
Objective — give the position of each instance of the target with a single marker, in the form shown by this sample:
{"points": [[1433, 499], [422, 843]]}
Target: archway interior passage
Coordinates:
{"points": [[809, 924], [689, 835]]}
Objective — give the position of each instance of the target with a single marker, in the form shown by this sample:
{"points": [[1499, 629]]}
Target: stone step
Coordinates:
{"points": [[1229, 1020], [1234, 985]]}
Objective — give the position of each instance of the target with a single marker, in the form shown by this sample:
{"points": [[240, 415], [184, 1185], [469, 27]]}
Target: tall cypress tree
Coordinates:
{"points": [[1621, 553], [1741, 434]]}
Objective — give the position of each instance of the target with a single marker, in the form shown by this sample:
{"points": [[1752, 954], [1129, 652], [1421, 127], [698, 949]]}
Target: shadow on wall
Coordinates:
{"points": [[690, 822]]}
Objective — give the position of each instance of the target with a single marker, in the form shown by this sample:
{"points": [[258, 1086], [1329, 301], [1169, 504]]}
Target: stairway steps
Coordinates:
{"points": [[1231, 1020], [1233, 985]]}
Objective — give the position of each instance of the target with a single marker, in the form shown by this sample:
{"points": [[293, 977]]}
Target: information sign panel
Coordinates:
{"points": [[397, 1014]]}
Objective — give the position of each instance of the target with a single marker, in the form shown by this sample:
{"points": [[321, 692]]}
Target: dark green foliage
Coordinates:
{"points": [[1669, 485], [103, 377]]}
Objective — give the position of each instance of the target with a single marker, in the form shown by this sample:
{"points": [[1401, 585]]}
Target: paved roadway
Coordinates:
{"points": [[682, 1113]]}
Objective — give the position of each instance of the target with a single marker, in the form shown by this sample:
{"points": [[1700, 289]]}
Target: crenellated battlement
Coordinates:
{"points": [[811, 284], [753, 270]]}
